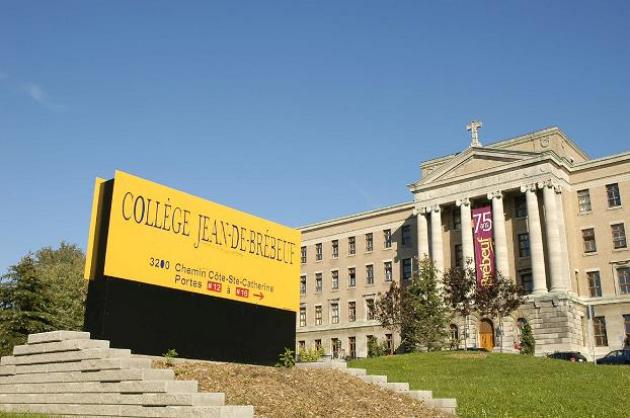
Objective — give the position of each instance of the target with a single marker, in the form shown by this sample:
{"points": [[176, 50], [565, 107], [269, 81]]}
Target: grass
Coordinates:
{"points": [[508, 385]]}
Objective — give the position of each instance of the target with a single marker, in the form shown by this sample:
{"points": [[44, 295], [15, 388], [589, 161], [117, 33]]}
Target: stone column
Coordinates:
{"points": [[437, 251], [553, 235], [467, 238], [423, 233], [564, 245], [535, 240], [500, 237]]}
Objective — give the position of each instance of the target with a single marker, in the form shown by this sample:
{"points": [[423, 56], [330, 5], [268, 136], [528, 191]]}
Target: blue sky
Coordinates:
{"points": [[297, 111]]}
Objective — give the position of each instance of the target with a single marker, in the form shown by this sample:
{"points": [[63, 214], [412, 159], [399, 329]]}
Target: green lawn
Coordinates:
{"points": [[509, 385]]}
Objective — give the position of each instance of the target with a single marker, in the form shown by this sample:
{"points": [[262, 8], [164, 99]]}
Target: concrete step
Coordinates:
{"points": [[46, 337], [67, 345], [157, 386], [135, 411], [442, 403], [67, 356], [397, 387], [356, 372], [131, 374], [374, 379], [83, 365], [151, 399], [420, 395]]}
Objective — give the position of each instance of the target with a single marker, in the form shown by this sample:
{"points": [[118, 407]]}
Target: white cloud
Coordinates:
{"points": [[40, 96]]}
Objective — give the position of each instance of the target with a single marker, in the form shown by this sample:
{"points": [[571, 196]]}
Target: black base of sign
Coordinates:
{"points": [[152, 320]]}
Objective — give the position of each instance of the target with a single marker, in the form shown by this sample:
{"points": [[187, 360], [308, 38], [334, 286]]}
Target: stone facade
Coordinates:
{"points": [[560, 222]]}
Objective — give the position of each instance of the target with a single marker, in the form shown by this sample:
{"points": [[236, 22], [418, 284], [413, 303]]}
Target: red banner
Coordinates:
{"points": [[484, 245]]}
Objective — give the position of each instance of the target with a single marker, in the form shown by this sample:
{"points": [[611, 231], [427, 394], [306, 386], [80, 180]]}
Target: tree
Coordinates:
{"points": [[499, 297], [388, 310], [44, 291], [460, 292], [416, 311], [528, 343]]}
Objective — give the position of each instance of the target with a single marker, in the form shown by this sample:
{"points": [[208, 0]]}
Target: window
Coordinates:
{"points": [[388, 271], [318, 282], [352, 311], [623, 274], [303, 284], [303, 252], [584, 201], [390, 343], [457, 220], [594, 284], [336, 347], [352, 346], [527, 281], [406, 269], [369, 304], [334, 313], [369, 274], [318, 252], [302, 316], [387, 235], [523, 245], [599, 331], [458, 253], [520, 206], [318, 315], [352, 277], [626, 326], [334, 283], [318, 345], [588, 238], [369, 242], [302, 345], [614, 198], [618, 236], [405, 235], [352, 246], [335, 249]]}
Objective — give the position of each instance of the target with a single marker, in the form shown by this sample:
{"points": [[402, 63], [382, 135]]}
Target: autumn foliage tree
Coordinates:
{"points": [[497, 298]]}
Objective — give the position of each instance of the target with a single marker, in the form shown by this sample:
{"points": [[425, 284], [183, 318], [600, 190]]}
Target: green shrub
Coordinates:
{"points": [[376, 349], [311, 354], [169, 356], [286, 359], [528, 343]]}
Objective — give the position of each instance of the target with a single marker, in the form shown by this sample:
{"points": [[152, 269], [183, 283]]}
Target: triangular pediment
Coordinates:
{"points": [[475, 160]]}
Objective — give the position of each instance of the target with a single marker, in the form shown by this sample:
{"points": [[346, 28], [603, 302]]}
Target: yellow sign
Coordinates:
{"points": [[165, 237]]}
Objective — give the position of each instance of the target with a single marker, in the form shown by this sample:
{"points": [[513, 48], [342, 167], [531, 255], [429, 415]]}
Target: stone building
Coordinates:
{"points": [[559, 228]]}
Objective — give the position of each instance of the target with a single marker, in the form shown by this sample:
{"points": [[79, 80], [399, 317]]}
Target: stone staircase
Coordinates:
{"points": [[66, 373], [443, 404]]}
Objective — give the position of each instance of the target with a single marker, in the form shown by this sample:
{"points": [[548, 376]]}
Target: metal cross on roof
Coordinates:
{"points": [[473, 127]]}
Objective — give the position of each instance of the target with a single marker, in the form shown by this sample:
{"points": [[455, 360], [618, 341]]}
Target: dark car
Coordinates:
{"points": [[568, 355], [616, 357]]}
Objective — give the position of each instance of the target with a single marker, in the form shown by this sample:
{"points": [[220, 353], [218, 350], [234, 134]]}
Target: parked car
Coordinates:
{"points": [[616, 357], [568, 355]]}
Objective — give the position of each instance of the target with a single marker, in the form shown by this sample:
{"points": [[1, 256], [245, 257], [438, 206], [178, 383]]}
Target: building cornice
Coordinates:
{"points": [[357, 216]]}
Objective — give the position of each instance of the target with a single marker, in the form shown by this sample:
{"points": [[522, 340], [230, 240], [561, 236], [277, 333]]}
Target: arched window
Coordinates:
{"points": [[454, 336]]}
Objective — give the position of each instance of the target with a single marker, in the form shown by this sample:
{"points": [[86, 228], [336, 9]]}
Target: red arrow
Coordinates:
{"points": [[260, 295]]}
